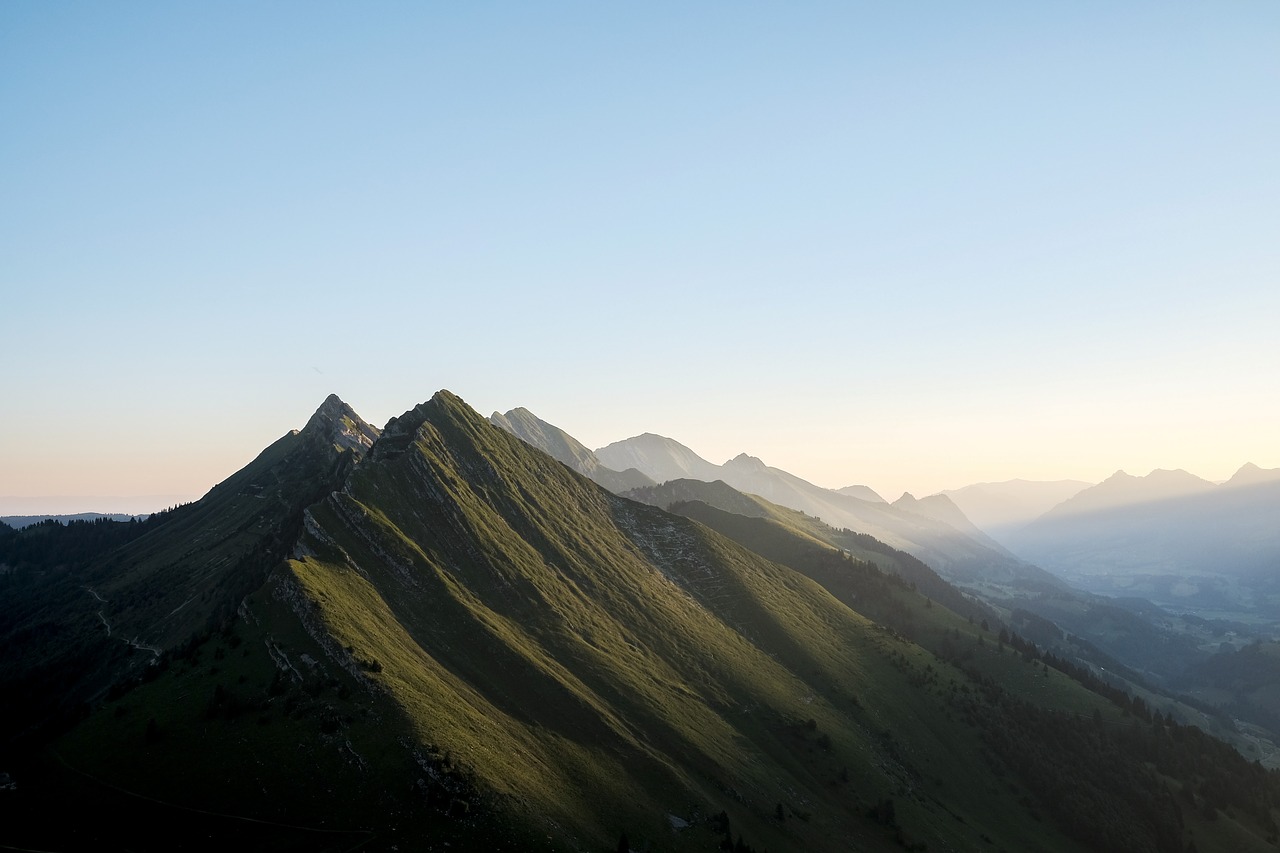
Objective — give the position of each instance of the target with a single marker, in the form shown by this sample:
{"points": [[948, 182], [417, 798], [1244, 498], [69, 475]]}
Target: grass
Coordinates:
{"points": [[472, 643]]}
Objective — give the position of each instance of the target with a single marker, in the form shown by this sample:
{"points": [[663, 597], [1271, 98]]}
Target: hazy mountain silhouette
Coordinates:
{"points": [[561, 446], [944, 509], [866, 493], [660, 458], [1170, 537], [999, 508], [26, 520], [961, 553]]}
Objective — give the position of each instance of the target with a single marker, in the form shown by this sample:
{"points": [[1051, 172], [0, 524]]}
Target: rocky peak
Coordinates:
{"points": [[339, 424]]}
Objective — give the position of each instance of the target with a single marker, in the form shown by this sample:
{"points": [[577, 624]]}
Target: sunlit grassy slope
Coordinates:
{"points": [[473, 643], [601, 664]]}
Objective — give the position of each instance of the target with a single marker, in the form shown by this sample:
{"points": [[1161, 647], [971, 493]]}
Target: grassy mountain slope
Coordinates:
{"points": [[685, 496], [1021, 669], [600, 663], [74, 623], [473, 643]]}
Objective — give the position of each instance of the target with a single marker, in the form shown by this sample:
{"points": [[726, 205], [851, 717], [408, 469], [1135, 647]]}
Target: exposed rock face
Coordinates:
{"points": [[338, 423]]}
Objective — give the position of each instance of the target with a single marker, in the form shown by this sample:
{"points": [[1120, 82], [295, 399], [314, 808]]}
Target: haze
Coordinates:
{"points": [[912, 248]]}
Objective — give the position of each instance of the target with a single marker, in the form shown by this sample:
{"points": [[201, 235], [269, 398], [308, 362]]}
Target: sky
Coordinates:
{"points": [[911, 246]]}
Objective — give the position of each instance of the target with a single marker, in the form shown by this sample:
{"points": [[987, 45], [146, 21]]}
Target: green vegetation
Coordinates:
{"points": [[459, 639]]}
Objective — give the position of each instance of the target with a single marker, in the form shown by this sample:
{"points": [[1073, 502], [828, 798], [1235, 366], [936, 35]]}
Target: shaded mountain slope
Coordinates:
{"points": [[1134, 647], [472, 643], [76, 625], [543, 628], [777, 532]]}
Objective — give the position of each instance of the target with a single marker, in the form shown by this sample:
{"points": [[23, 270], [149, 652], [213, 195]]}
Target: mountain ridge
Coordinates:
{"points": [[448, 636], [565, 448], [966, 556]]}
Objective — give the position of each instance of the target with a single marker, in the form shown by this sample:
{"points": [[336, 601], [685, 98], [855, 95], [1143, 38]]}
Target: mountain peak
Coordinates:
{"points": [[338, 423], [865, 493], [658, 457], [747, 462], [1251, 475], [1121, 489]]}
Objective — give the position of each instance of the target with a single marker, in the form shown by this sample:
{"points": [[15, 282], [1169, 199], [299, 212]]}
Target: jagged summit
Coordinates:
{"points": [[746, 462], [338, 423]]}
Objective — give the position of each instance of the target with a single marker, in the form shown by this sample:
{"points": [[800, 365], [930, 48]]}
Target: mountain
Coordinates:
{"points": [[561, 446], [1251, 475], [865, 493], [160, 582], [446, 639], [660, 458], [1148, 644], [1123, 490], [742, 518], [962, 554], [998, 508], [1170, 537], [942, 508]]}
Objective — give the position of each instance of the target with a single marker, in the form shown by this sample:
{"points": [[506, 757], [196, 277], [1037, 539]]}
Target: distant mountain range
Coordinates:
{"points": [[1000, 508], [18, 521], [1169, 536], [932, 529], [46, 506], [935, 530], [562, 447]]}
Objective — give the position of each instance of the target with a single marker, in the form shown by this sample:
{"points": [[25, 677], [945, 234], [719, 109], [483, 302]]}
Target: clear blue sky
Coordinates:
{"points": [[913, 246]]}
